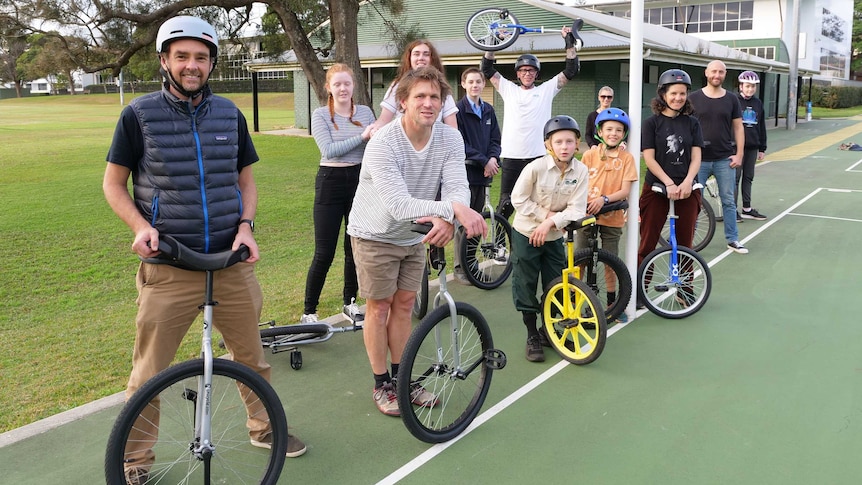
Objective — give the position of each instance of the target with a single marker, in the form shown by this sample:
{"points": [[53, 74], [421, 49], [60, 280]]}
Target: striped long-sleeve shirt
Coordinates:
{"points": [[345, 144], [398, 184]]}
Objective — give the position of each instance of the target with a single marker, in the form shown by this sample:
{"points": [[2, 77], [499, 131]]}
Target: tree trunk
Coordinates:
{"points": [[303, 49], [344, 16]]}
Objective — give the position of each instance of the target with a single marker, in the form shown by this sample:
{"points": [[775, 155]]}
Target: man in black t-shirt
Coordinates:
{"points": [[724, 139]]}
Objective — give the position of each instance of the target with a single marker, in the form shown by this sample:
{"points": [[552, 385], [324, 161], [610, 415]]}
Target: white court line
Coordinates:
{"points": [[852, 168], [435, 450]]}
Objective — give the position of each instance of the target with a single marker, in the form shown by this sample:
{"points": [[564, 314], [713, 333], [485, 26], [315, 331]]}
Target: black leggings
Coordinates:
{"points": [[334, 189]]}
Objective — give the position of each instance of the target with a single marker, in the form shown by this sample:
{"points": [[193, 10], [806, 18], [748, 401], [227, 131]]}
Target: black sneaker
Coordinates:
{"points": [[737, 247], [535, 352], [753, 214], [738, 217]]}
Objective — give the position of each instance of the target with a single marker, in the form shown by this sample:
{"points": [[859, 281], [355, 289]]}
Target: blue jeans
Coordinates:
{"points": [[726, 178]]}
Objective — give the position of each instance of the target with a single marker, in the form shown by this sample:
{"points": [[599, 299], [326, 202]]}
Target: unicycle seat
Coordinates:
{"points": [[177, 254]]}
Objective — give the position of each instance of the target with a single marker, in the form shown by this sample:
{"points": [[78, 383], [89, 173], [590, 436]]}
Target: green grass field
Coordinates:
{"points": [[67, 290]]}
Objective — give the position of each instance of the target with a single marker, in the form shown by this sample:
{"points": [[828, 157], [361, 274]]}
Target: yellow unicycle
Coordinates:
{"points": [[573, 317]]}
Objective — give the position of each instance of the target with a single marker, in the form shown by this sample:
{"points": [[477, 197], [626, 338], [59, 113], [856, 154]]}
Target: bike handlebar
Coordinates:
{"points": [[174, 252]]}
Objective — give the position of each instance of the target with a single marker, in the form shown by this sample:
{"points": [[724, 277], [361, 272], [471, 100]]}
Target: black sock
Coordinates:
{"points": [[530, 323], [395, 370], [380, 379]]}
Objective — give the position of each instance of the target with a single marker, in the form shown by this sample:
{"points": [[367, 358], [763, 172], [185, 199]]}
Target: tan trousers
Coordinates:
{"points": [[168, 303]]}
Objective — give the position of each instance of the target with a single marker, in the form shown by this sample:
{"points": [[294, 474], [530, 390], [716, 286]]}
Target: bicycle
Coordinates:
{"points": [[486, 258], [451, 354], [572, 315], [420, 304], [494, 29], [684, 278], [199, 408], [704, 227], [604, 272]]}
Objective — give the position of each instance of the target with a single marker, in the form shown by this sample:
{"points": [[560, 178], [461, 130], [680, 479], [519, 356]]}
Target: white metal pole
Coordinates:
{"points": [[634, 143]]}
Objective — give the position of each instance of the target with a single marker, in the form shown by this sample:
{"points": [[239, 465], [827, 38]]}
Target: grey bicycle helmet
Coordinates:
{"points": [[749, 77], [674, 76], [528, 60], [186, 27], [559, 123]]}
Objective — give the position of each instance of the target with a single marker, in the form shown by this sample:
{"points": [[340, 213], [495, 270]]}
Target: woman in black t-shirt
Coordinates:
{"points": [[671, 141]]}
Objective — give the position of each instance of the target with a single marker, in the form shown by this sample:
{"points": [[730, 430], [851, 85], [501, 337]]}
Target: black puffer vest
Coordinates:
{"points": [[187, 182]]}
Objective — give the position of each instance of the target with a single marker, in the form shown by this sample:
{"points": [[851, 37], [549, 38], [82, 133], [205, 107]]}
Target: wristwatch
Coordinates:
{"points": [[250, 223], [605, 198]]}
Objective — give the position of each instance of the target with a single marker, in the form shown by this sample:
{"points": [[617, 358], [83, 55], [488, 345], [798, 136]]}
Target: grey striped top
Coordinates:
{"points": [[398, 184], [344, 145]]}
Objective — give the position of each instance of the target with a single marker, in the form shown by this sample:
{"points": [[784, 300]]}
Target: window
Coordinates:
{"points": [[716, 17], [832, 63], [764, 52]]}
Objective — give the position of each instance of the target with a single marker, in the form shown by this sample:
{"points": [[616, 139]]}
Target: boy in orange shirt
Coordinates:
{"points": [[612, 170]]}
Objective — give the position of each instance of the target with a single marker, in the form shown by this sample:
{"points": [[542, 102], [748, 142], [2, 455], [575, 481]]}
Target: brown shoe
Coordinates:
{"points": [[295, 447]]}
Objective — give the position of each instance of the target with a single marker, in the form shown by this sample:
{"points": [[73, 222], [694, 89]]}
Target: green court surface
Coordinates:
{"points": [[762, 386]]}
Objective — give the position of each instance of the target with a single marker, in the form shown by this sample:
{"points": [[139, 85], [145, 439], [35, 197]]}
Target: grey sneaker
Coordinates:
{"points": [[353, 313], [386, 400], [421, 396], [136, 476], [308, 318], [295, 447], [736, 247], [460, 277], [535, 352]]}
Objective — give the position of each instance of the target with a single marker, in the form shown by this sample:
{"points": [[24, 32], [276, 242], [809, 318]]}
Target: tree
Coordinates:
{"points": [[48, 55], [13, 43], [117, 30], [856, 40]]}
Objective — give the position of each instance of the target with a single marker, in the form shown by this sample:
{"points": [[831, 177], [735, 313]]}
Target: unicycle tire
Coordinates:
{"points": [[669, 299], [167, 401], [460, 392], [608, 266], [487, 260], [577, 332], [483, 33]]}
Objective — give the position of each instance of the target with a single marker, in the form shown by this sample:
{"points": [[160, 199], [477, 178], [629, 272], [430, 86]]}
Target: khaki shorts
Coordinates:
{"points": [[383, 268]]}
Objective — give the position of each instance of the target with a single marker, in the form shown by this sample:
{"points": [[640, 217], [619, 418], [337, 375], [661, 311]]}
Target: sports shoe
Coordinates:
{"points": [[738, 217], [136, 476], [684, 298], [352, 312], [386, 400], [535, 352], [295, 447], [460, 277], [421, 396], [735, 246], [623, 318], [308, 318], [753, 214]]}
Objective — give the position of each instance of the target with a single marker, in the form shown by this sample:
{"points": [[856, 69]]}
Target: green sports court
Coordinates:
{"points": [[762, 386]]}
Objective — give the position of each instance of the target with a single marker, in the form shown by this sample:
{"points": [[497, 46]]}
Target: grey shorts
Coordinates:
{"points": [[383, 268]]}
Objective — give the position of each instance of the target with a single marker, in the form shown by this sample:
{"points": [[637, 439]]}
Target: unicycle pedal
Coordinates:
{"points": [[495, 359]]}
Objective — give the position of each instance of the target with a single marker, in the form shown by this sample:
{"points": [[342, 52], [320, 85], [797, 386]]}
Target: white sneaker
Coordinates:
{"points": [[352, 312], [308, 318]]}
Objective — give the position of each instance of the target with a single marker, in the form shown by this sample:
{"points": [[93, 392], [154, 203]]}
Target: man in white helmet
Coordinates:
{"points": [[190, 157]]}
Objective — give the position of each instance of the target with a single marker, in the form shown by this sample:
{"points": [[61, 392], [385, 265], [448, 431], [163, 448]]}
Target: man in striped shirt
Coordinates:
{"points": [[405, 164]]}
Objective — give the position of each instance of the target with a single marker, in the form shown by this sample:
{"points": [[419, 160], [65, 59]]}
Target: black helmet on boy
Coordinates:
{"points": [[559, 123]]}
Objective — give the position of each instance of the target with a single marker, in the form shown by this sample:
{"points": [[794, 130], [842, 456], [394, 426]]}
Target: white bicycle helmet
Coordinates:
{"points": [[749, 77], [186, 27]]}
